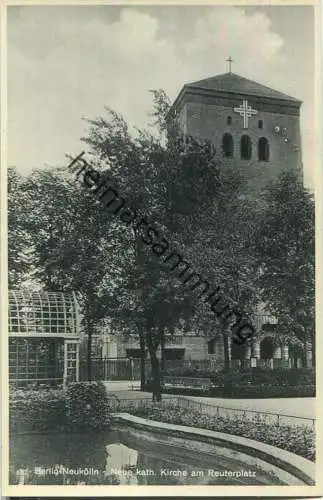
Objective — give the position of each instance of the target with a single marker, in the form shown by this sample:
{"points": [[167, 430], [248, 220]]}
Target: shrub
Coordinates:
{"points": [[281, 377], [37, 410], [295, 438], [229, 388], [84, 406], [277, 376], [264, 390], [34, 386], [87, 405]]}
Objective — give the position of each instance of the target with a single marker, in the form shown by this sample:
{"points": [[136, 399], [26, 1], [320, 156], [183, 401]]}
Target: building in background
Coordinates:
{"points": [[266, 350], [252, 127]]}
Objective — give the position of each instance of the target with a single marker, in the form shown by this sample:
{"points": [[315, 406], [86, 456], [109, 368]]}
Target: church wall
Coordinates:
{"points": [[209, 121], [195, 347], [122, 349], [182, 118]]}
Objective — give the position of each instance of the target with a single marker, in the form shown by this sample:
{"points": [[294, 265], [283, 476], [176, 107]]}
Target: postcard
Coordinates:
{"points": [[161, 211]]}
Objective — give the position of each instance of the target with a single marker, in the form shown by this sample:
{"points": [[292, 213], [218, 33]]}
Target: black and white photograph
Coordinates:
{"points": [[161, 189]]}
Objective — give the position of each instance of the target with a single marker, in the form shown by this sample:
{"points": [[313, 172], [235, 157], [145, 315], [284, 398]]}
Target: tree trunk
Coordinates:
{"points": [[227, 350], [142, 361], [155, 369], [162, 347], [89, 352], [308, 353], [313, 350]]}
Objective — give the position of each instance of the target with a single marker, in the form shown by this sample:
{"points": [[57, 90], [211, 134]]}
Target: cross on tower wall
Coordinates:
{"points": [[246, 112]]}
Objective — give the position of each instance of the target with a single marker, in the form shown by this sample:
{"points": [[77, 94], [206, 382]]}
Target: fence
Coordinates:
{"points": [[129, 369], [190, 405], [113, 369], [259, 416]]}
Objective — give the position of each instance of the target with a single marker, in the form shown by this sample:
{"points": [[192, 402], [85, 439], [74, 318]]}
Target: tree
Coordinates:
{"points": [[65, 227], [145, 171], [182, 188], [285, 249], [221, 250], [20, 250]]}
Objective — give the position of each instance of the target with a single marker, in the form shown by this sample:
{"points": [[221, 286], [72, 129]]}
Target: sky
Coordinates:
{"points": [[66, 63]]}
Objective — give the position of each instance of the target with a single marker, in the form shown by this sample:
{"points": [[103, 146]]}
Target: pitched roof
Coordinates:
{"points": [[236, 84]]}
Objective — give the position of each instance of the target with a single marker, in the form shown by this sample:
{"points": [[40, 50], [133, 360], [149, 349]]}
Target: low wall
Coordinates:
{"points": [[286, 467]]}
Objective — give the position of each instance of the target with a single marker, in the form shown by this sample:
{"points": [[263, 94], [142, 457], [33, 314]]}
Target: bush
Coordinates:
{"points": [[84, 406], [277, 376], [264, 390], [34, 386], [244, 392], [294, 438], [188, 372], [87, 405], [37, 410]]}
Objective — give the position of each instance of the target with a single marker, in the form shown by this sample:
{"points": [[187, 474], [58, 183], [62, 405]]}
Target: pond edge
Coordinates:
{"points": [[300, 468]]}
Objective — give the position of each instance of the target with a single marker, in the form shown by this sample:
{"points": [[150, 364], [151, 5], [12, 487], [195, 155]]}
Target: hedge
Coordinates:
{"points": [[37, 410], [240, 392], [251, 383], [83, 406], [87, 405], [276, 376], [294, 438]]}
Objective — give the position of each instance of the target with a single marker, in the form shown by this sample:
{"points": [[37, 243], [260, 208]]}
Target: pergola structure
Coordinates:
{"points": [[44, 337]]}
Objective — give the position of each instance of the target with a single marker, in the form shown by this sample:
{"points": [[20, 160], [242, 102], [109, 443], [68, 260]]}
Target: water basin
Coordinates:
{"points": [[119, 457]]}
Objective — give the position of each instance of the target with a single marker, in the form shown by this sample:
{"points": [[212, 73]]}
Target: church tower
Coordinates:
{"points": [[251, 126]]}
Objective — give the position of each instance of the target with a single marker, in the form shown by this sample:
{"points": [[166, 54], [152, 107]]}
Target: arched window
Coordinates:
{"points": [[263, 149], [227, 145], [229, 120], [245, 147]]}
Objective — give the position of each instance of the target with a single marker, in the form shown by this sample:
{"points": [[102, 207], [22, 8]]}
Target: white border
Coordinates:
{"points": [[106, 491]]}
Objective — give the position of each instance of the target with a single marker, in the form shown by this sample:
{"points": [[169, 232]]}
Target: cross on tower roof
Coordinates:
{"points": [[229, 60]]}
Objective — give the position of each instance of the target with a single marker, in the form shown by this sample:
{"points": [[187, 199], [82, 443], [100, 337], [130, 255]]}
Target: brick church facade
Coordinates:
{"points": [[251, 126], [256, 129]]}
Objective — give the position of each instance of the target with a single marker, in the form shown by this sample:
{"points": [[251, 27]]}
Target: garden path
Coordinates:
{"points": [[300, 407]]}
